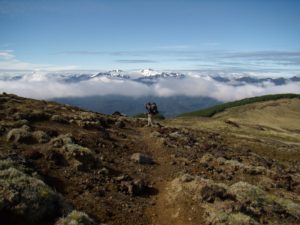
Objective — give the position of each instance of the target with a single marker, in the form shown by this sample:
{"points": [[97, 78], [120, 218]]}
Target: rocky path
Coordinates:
{"points": [[162, 210], [185, 198]]}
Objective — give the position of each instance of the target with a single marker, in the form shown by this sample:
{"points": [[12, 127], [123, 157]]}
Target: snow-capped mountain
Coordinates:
{"points": [[145, 76], [148, 72], [112, 74]]}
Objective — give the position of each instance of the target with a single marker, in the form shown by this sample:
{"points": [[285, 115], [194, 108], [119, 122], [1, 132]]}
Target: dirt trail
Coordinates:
{"points": [[163, 211]]}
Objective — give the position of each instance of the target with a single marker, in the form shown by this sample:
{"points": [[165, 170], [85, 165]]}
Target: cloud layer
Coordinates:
{"points": [[44, 86]]}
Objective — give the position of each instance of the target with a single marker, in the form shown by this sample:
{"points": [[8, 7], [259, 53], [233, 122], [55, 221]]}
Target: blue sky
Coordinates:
{"points": [[235, 35]]}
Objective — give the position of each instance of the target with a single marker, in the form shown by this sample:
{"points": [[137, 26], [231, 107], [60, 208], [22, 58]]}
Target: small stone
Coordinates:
{"points": [[142, 158], [186, 178]]}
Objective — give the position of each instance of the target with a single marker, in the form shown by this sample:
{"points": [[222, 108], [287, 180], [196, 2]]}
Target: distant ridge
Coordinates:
{"points": [[209, 112]]}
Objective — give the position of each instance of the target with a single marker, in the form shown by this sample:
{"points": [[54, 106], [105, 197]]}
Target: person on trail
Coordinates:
{"points": [[152, 110]]}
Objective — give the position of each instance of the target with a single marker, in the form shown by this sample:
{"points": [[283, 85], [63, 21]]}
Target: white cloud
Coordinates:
{"points": [[8, 61], [42, 85]]}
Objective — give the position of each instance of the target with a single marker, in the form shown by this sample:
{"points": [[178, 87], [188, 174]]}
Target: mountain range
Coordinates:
{"points": [[175, 92], [145, 76]]}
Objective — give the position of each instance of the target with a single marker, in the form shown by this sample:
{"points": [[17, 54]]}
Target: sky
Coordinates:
{"points": [[219, 35]]}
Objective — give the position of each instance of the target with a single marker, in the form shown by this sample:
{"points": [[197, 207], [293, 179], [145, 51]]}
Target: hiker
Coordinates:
{"points": [[152, 110]]}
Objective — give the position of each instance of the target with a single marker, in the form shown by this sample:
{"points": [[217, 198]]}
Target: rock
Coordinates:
{"points": [[56, 157], [210, 192], [76, 218], [155, 134], [141, 158], [26, 197], [206, 158], [104, 171], [175, 134], [134, 188], [122, 178], [41, 136], [186, 178], [20, 135], [120, 124]]}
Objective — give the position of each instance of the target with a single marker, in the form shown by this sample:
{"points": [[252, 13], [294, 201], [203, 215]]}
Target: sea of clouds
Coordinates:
{"points": [[41, 85]]}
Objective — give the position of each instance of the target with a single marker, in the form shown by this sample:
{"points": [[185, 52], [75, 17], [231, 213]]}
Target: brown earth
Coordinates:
{"points": [[195, 167]]}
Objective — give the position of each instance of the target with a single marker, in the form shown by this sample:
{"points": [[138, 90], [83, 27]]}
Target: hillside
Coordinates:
{"points": [[208, 112], [63, 165]]}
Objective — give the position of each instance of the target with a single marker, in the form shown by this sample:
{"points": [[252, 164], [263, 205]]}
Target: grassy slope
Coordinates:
{"points": [[209, 112], [274, 120]]}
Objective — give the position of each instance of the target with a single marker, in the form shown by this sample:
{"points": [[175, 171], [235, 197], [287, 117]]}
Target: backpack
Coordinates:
{"points": [[153, 108]]}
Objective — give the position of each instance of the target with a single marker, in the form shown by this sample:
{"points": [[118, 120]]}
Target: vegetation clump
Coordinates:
{"points": [[25, 196], [20, 135], [76, 218]]}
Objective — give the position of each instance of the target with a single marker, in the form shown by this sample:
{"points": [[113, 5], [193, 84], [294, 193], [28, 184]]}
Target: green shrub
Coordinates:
{"points": [[75, 218], [25, 196]]}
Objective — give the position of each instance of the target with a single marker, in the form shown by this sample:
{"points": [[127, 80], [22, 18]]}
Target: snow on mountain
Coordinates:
{"points": [[148, 72], [145, 76], [112, 74]]}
